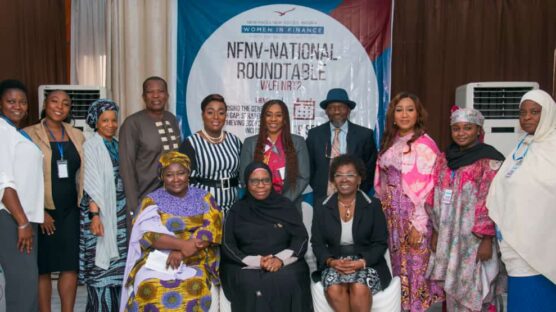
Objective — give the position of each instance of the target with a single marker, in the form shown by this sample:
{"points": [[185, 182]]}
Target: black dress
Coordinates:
{"points": [[288, 289], [60, 251]]}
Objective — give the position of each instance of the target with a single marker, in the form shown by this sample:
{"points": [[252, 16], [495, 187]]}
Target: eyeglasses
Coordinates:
{"points": [[265, 181], [349, 176]]}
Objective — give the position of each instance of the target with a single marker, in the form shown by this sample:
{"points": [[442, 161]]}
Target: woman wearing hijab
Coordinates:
{"points": [[103, 241], [284, 152], [466, 259], [521, 201], [21, 202], [264, 243], [172, 257]]}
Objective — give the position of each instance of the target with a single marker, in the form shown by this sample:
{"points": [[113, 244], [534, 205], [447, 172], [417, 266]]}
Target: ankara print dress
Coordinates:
{"points": [[196, 215]]}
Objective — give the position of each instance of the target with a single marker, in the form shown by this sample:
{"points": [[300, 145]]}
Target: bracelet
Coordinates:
{"points": [[21, 227], [92, 214]]}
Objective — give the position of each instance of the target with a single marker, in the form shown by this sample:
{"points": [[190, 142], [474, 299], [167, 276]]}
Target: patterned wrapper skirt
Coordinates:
{"points": [[367, 276]]}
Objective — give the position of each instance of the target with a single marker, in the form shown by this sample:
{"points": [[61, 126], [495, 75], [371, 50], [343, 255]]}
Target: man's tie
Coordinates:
{"points": [[334, 152]]}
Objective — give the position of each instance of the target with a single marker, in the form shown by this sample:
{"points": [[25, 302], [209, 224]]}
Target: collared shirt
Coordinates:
{"points": [[342, 136], [21, 168]]}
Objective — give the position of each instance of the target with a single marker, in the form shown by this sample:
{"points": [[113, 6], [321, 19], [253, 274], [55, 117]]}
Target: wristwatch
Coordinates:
{"points": [[92, 214]]}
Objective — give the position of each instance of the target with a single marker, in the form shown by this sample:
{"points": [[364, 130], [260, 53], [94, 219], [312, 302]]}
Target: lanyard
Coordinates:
{"points": [[517, 149], [23, 133], [452, 175], [59, 145]]}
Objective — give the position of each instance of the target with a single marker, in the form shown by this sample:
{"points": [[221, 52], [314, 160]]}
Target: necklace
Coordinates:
{"points": [[347, 214], [212, 139]]}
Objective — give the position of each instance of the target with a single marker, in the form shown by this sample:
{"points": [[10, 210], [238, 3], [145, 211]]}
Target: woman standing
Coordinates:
{"points": [[521, 201], [349, 240], [264, 244], [173, 258], [214, 154], [285, 153], [402, 182], [61, 145], [21, 201], [466, 255], [103, 241]]}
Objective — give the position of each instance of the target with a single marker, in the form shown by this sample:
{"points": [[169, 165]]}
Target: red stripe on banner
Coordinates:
{"points": [[369, 20]]}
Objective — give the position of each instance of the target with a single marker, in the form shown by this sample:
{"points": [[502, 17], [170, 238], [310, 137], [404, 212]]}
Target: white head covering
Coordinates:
{"points": [[523, 205], [467, 115]]}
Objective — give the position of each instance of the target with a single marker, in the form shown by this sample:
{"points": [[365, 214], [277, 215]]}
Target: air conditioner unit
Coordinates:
{"points": [[81, 98], [499, 103]]}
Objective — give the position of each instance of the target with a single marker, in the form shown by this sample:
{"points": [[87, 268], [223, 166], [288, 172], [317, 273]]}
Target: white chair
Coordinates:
{"points": [[219, 300], [388, 300]]}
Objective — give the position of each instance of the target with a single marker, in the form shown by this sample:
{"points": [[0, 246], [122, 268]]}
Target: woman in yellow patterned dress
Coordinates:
{"points": [[172, 259]]}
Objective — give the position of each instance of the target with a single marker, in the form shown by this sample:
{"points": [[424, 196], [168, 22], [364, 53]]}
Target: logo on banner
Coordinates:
{"points": [[292, 53]]}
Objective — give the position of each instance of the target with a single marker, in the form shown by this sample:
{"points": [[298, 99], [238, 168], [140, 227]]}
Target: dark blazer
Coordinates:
{"points": [[292, 193], [360, 143], [369, 234]]}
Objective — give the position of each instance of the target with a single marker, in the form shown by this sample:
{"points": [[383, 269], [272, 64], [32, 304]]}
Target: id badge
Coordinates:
{"points": [[62, 169], [513, 169], [447, 197]]}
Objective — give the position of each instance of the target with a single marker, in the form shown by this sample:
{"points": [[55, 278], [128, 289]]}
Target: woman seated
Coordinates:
{"points": [[181, 225], [264, 242], [349, 240]]}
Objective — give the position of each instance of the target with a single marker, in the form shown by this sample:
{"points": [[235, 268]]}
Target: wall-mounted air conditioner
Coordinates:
{"points": [[81, 98], [499, 103]]}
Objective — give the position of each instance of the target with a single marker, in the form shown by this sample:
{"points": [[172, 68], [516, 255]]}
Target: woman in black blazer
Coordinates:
{"points": [[349, 240]]}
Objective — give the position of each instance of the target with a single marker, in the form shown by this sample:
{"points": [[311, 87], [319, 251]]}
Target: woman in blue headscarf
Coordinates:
{"points": [[103, 249]]}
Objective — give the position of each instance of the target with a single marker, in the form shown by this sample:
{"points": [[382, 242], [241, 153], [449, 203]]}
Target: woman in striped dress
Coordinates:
{"points": [[103, 227], [214, 154]]}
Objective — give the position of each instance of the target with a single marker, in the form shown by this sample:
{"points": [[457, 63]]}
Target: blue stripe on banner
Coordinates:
{"points": [[381, 66]]}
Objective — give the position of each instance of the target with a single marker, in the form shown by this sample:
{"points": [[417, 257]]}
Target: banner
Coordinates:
{"points": [[254, 51]]}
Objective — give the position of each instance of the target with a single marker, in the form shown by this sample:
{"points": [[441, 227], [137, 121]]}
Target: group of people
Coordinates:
{"points": [[151, 222]]}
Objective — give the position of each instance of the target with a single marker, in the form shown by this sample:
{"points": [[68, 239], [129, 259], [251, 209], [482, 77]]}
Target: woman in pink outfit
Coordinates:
{"points": [[403, 182]]}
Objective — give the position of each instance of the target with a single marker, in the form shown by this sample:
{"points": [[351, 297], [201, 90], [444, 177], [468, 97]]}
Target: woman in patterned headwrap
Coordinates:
{"points": [[172, 257], [466, 254], [103, 240]]}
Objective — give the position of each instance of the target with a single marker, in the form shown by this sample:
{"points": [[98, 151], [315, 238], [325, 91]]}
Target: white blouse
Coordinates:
{"points": [[21, 169], [346, 237]]}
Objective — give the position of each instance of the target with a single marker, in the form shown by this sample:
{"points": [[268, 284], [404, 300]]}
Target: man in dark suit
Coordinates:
{"points": [[353, 140]]}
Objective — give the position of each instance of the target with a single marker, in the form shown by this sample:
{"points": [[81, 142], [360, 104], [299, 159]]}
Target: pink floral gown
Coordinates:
{"points": [[403, 181]]}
